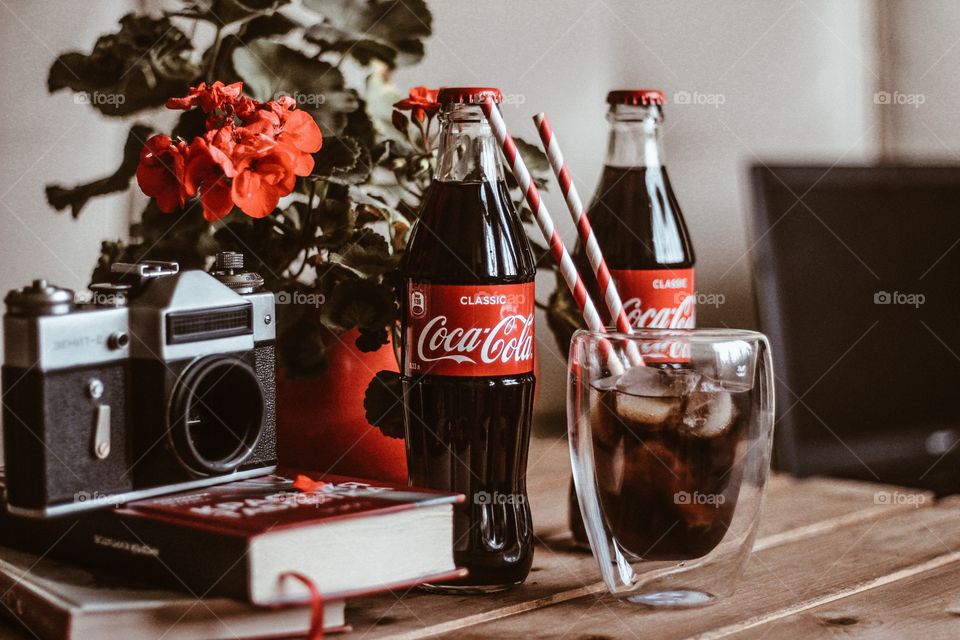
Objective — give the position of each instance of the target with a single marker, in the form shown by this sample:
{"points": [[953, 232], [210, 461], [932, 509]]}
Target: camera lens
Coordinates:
{"points": [[216, 414]]}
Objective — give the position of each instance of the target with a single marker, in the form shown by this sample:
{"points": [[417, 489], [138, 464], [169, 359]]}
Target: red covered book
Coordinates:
{"points": [[349, 536]]}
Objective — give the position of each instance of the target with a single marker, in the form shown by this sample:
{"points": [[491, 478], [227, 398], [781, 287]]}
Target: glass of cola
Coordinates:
{"points": [[670, 462]]}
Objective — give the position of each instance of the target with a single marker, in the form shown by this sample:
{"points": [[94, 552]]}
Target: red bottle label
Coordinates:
{"points": [[469, 330], [659, 299]]}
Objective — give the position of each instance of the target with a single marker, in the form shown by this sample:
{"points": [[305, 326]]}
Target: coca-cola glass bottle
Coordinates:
{"points": [[642, 234], [639, 226], [468, 376]]}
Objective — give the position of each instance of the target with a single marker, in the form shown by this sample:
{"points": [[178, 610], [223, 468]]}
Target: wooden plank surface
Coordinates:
{"points": [[779, 581], [564, 581], [924, 604]]}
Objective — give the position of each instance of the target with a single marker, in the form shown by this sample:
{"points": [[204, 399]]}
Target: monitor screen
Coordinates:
{"points": [[858, 285]]}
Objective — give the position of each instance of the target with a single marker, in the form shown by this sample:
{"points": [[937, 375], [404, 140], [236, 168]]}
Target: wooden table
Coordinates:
{"points": [[833, 558]]}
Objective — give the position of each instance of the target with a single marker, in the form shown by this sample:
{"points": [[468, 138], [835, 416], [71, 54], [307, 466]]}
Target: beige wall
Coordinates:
{"points": [[52, 139], [920, 54]]}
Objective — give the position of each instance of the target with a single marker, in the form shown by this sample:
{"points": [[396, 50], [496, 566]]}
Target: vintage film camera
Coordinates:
{"points": [[163, 381]]}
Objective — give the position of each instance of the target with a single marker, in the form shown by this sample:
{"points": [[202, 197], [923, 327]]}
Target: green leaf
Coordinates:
{"points": [[540, 171], [385, 30], [363, 50], [360, 126], [113, 251], [275, 24], [223, 12], [139, 67], [382, 403], [267, 247], [76, 198], [342, 160], [269, 70], [336, 220], [182, 236], [368, 254], [190, 125], [329, 276], [534, 158], [371, 340], [300, 343], [359, 303]]}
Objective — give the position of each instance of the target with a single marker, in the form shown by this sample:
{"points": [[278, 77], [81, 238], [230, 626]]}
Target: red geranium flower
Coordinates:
{"points": [[421, 102], [297, 129], [210, 98], [264, 174], [161, 170], [207, 173], [249, 157], [301, 132]]}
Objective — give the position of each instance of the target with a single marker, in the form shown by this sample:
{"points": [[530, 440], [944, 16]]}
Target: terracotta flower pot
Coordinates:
{"points": [[321, 422]]}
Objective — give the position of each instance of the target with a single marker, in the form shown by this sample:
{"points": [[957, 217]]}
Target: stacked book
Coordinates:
{"points": [[226, 554]]}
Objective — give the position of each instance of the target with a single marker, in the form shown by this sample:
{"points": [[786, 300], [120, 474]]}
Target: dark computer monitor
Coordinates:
{"points": [[857, 271]]}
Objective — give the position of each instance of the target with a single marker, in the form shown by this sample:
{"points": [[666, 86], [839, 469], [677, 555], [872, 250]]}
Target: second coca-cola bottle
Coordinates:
{"points": [[642, 235], [468, 348], [639, 226]]}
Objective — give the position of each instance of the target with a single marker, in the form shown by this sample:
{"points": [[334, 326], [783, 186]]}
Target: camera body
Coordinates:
{"points": [[163, 381]]}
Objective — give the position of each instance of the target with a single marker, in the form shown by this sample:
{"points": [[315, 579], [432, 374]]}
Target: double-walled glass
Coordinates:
{"points": [[670, 463]]}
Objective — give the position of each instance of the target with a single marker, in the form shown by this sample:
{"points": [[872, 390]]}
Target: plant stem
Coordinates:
{"points": [[423, 137], [304, 229], [214, 54], [308, 219], [418, 196]]}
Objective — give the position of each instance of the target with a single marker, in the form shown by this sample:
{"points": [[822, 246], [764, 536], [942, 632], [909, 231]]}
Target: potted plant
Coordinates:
{"points": [[323, 215]]}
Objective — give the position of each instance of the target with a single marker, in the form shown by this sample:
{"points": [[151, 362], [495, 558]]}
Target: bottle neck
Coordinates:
{"points": [[635, 137], [468, 151]]}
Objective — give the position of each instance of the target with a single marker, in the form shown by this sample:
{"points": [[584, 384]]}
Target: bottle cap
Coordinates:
{"points": [[468, 95], [39, 299], [636, 97]]}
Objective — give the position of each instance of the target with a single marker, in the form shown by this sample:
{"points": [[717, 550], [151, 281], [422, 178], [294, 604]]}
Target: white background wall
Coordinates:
{"points": [[47, 139], [796, 80]]}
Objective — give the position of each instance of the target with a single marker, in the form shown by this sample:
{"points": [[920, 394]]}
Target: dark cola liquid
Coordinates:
{"points": [[637, 223], [470, 435], [667, 490]]}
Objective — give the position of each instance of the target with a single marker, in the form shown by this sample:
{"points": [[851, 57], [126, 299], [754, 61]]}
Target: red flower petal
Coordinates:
{"points": [[217, 199], [307, 484], [160, 172], [254, 197], [421, 98], [304, 165], [300, 130]]}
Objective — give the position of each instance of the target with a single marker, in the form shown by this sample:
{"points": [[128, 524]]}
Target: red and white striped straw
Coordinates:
{"points": [[540, 213], [575, 205]]}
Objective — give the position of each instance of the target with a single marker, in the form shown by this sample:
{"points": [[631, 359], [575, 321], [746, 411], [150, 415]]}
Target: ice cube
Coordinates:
{"points": [[735, 364], [645, 410], [604, 425], [709, 414], [606, 384], [610, 467], [650, 466], [652, 382]]}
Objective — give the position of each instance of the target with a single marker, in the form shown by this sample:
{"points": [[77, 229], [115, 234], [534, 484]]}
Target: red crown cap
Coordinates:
{"points": [[636, 97], [468, 95]]}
